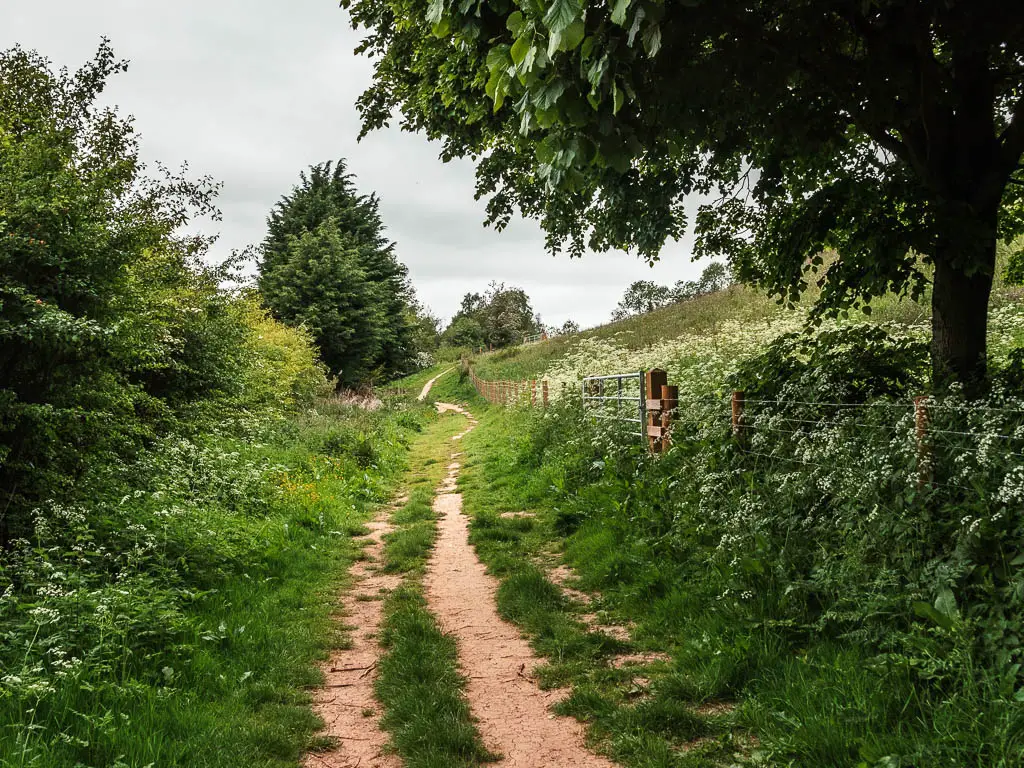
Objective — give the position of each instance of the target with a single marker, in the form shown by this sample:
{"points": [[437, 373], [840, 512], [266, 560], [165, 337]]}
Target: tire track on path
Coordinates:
{"points": [[512, 712], [347, 702]]}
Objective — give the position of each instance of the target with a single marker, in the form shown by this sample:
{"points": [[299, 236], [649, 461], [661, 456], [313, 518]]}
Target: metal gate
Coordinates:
{"points": [[618, 397]]}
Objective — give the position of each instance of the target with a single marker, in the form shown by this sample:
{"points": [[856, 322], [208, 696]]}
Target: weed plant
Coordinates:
{"points": [[857, 593], [175, 616]]}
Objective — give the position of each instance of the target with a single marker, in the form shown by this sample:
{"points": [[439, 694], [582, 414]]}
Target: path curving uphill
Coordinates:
{"points": [[429, 384], [512, 712]]}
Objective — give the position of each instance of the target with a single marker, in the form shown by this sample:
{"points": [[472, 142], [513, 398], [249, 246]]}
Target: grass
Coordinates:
{"points": [[408, 546], [419, 684], [209, 640], [653, 723], [745, 681], [421, 689]]}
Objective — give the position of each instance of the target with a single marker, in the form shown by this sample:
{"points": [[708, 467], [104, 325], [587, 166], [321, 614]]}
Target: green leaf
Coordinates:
{"points": [[442, 28], [619, 12], [945, 603], [635, 27], [574, 35], [546, 150], [515, 23], [554, 43], [547, 96], [501, 90], [498, 58], [618, 98], [652, 39], [435, 11], [588, 47], [519, 50], [561, 14], [926, 611]]}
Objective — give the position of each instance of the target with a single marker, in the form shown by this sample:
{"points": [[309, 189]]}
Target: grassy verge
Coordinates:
{"points": [[772, 657], [640, 714], [419, 685], [179, 619]]}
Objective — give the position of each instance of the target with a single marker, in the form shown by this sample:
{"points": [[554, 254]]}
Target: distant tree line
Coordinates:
{"points": [[646, 295], [499, 317]]}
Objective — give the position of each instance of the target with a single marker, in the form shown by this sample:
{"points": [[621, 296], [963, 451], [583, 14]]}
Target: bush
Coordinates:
{"points": [[817, 567]]}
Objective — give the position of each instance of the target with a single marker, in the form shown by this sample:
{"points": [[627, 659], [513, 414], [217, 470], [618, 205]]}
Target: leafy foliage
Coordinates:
{"points": [[642, 296], [167, 537], [114, 330], [856, 616], [500, 318], [326, 265], [877, 129]]}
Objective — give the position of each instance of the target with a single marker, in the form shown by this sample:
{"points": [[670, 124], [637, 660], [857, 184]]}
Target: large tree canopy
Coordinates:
{"points": [[327, 265], [882, 128]]}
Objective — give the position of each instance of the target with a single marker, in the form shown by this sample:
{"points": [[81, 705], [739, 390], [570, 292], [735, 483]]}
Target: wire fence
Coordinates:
{"points": [[926, 442], [532, 392], [930, 443]]}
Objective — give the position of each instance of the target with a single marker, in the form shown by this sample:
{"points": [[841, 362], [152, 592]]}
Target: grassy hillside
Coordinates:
{"points": [[714, 318]]}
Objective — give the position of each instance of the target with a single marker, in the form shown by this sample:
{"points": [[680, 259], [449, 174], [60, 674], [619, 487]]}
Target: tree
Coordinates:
{"points": [[111, 324], [464, 331], [507, 315], [426, 327], [684, 290], [883, 130], [569, 327], [500, 317], [322, 285], [641, 296], [372, 330], [715, 277]]}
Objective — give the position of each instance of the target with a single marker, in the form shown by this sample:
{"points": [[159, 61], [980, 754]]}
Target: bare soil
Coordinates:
{"points": [[426, 387], [346, 702], [512, 711]]}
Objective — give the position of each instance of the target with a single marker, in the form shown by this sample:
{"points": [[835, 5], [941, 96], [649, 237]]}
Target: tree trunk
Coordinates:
{"points": [[964, 268]]}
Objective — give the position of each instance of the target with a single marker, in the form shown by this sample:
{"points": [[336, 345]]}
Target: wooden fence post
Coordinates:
{"points": [[544, 392], [670, 401], [738, 403], [655, 379], [922, 421]]}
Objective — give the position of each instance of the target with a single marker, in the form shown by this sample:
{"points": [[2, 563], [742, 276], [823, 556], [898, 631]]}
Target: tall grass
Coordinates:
{"points": [[176, 617]]}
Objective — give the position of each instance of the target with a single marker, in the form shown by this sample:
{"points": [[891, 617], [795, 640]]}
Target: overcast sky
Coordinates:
{"points": [[253, 92]]}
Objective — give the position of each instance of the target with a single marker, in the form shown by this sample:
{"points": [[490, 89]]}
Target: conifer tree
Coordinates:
{"points": [[326, 264]]}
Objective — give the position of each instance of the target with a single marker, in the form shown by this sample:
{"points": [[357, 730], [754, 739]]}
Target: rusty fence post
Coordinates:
{"points": [[544, 392], [655, 379], [738, 403], [922, 421]]}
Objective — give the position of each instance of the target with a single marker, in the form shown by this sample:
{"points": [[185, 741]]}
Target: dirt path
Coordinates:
{"points": [[429, 384], [512, 711], [346, 702]]}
